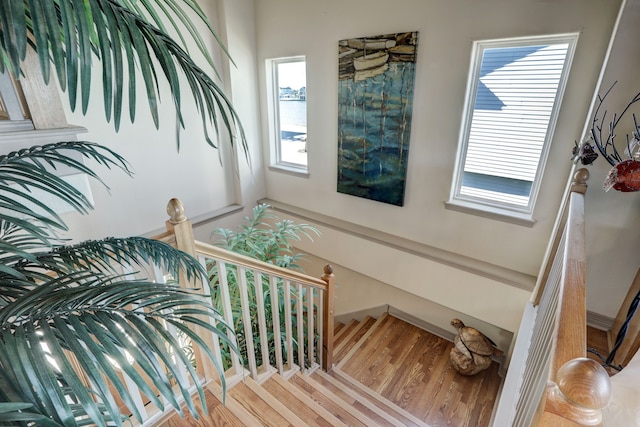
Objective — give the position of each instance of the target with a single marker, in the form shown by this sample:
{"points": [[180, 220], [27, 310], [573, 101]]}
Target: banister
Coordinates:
{"points": [[254, 264], [180, 234], [578, 387], [577, 185]]}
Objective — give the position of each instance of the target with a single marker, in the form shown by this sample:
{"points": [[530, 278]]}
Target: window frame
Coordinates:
{"points": [[273, 95], [485, 206]]}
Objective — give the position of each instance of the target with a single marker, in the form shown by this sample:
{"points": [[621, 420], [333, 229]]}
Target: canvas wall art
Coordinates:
{"points": [[375, 97]]}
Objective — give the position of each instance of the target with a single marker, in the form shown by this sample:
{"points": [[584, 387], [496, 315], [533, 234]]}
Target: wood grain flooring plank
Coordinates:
{"points": [[358, 400], [409, 372], [325, 398], [217, 415], [261, 410], [410, 367], [304, 407]]}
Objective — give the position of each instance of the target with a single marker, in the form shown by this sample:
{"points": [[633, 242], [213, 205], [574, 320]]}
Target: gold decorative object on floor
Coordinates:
{"points": [[472, 349]]}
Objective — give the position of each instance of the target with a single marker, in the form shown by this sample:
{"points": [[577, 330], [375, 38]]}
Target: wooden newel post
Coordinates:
{"points": [[581, 390], [327, 318], [181, 227]]}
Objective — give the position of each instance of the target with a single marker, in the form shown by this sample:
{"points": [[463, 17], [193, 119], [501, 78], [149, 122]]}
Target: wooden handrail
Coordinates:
{"points": [[254, 264], [578, 387]]}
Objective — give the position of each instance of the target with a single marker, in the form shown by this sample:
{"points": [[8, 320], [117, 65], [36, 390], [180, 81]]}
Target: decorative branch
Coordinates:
{"points": [[606, 144]]}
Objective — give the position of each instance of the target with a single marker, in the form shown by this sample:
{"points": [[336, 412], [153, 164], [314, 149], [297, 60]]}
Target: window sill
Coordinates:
{"points": [[491, 212], [291, 170]]}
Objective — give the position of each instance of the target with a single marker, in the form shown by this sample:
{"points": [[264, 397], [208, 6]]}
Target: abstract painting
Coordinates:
{"points": [[375, 97]]}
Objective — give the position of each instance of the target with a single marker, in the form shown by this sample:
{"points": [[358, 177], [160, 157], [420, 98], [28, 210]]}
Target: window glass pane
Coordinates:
{"points": [[292, 111], [513, 108]]}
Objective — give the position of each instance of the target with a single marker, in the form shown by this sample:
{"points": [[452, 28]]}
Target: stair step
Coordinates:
{"points": [[325, 398], [262, 405], [337, 328], [357, 399], [384, 405], [342, 333], [374, 330], [351, 339], [219, 414], [239, 411], [308, 410]]}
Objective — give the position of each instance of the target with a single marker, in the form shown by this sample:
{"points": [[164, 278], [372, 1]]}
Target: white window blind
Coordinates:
{"points": [[514, 96]]}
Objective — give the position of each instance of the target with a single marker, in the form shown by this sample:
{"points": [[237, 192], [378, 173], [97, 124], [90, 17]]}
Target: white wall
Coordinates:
{"points": [[612, 218], [205, 179], [446, 32], [275, 28]]}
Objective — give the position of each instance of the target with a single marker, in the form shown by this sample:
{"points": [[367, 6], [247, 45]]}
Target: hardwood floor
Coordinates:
{"points": [[387, 373], [411, 368]]}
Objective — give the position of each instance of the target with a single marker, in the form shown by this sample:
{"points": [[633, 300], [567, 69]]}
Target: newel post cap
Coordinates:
{"points": [[175, 210]]}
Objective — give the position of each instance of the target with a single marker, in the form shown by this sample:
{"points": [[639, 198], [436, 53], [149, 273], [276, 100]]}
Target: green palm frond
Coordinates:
{"points": [[27, 173], [109, 255], [110, 331], [27, 221], [69, 33], [10, 413]]}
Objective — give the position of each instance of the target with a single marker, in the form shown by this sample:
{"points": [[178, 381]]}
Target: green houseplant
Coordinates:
{"points": [[267, 238], [56, 299]]}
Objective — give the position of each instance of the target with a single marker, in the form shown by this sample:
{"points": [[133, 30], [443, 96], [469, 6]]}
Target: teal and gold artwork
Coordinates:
{"points": [[375, 97]]}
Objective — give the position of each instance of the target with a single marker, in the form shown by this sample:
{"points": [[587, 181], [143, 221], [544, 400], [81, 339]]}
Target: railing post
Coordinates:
{"points": [[327, 318], [181, 227]]}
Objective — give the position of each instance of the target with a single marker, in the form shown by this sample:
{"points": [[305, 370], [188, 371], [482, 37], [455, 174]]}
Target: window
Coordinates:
{"points": [[513, 97], [289, 116]]}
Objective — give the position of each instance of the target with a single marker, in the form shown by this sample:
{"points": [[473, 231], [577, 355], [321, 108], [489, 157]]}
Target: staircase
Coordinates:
{"points": [[386, 373]]}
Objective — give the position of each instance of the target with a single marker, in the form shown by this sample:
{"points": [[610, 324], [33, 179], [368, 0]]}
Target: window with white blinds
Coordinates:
{"points": [[513, 99]]}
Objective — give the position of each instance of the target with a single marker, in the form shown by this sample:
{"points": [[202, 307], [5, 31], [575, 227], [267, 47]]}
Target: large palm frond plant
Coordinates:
{"points": [[75, 320]]}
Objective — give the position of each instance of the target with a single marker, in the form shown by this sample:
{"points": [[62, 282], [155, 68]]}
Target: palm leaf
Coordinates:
{"points": [[66, 32], [110, 254], [25, 170], [27, 222], [88, 314], [12, 412]]}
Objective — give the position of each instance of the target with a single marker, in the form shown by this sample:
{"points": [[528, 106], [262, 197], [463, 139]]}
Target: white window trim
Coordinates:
{"points": [[273, 114], [485, 207]]}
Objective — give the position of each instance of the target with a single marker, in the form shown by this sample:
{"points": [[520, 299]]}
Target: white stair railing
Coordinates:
{"points": [[269, 308]]}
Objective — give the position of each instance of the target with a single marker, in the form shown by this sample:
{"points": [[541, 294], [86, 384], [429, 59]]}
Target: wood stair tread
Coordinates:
{"points": [[267, 410], [344, 331], [393, 411], [373, 329], [360, 401], [308, 410], [342, 409], [351, 339], [218, 415]]}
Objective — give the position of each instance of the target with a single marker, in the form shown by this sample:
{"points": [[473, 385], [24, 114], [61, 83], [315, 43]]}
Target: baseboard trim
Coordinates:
{"points": [[422, 324], [599, 321], [378, 311], [374, 312]]}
